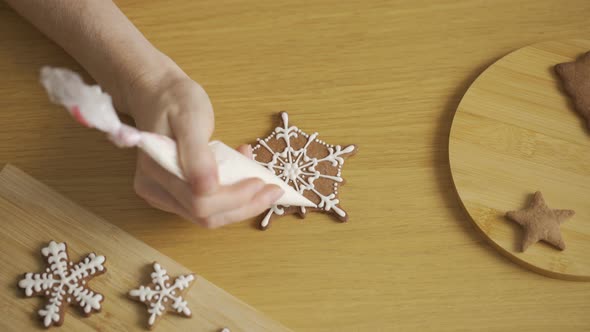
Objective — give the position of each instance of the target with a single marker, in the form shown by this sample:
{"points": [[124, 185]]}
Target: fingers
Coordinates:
{"points": [[257, 205], [157, 197], [207, 210], [227, 198], [192, 125], [246, 150], [202, 206], [176, 187]]}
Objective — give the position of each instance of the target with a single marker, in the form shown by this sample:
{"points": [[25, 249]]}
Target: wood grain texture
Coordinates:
{"points": [[515, 132], [32, 215], [384, 74]]}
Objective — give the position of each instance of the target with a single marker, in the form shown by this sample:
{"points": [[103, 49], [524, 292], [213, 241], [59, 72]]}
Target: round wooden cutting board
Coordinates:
{"points": [[515, 132]]}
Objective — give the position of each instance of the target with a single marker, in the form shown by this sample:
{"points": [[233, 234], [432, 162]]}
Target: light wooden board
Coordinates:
{"points": [[32, 215], [514, 133]]}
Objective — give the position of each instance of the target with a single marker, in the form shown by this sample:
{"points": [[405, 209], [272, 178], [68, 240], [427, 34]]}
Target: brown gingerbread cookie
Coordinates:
{"points": [[540, 223], [161, 295], [64, 282], [575, 77], [309, 165]]}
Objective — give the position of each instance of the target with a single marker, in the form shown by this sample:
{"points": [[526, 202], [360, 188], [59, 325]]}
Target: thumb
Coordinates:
{"points": [[192, 130]]}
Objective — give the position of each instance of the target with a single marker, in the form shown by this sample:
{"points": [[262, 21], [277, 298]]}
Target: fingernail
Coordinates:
{"points": [[250, 150], [274, 194]]}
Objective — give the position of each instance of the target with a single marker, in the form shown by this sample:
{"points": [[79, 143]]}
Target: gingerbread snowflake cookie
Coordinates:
{"points": [[161, 295], [575, 77], [309, 165], [64, 282]]}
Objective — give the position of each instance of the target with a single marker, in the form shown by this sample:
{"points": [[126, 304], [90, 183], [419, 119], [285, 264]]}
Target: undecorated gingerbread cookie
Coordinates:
{"points": [[309, 165], [64, 282], [540, 223], [576, 82], [161, 295]]}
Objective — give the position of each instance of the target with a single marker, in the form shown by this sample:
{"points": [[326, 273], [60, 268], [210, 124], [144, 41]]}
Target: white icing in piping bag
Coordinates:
{"points": [[94, 108]]}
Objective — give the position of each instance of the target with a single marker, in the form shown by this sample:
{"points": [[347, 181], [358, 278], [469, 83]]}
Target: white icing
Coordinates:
{"points": [[299, 170], [64, 281], [162, 292], [276, 209]]}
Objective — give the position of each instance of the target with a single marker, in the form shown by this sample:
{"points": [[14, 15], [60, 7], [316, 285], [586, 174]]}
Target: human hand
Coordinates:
{"points": [[161, 98], [174, 105]]}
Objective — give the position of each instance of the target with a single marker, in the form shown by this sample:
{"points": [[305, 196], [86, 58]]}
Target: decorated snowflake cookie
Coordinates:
{"points": [[161, 295], [311, 166], [64, 282]]}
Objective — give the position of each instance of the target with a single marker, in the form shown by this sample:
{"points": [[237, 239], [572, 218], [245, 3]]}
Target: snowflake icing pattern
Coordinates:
{"points": [[287, 155], [161, 293], [63, 282]]}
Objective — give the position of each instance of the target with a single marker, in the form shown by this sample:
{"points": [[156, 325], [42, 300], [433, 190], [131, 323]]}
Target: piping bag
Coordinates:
{"points": [[94, 108]]}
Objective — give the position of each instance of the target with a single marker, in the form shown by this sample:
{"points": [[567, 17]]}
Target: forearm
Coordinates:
{"points": [[99, 36]]}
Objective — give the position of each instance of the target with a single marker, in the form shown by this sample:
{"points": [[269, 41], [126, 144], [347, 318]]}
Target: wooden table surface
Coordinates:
{"points": [[386, 75]]}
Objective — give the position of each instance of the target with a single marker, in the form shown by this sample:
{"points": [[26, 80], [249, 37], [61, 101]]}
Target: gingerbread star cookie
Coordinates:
{"points": [[540, 223], [576, 82], [161, 295], [64, 282], [309, 165]]}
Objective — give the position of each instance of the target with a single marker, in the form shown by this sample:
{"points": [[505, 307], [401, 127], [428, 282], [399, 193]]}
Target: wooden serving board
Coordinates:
{"points": [[32, 214], [515, 132]]}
